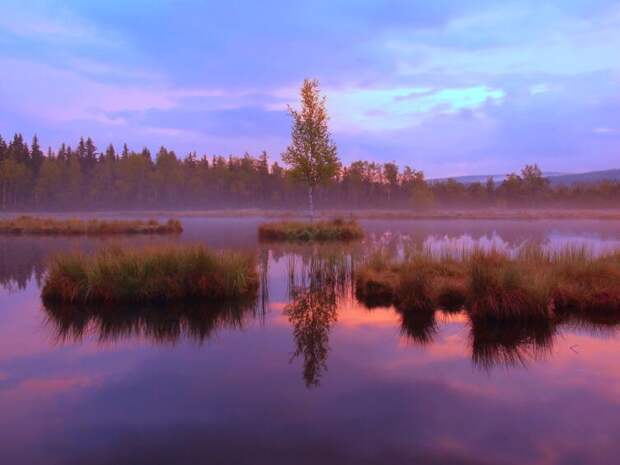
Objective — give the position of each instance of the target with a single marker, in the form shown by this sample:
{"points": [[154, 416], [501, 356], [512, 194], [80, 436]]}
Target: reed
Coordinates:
{"points": [[52, 226], [534, 284], [332, 230], [151, 275]]}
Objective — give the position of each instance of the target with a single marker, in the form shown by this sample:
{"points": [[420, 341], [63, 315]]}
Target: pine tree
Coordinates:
{"points": [[3, 149], [36, 155]]}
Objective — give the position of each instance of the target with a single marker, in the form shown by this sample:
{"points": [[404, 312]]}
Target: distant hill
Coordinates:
{"points": [[555, 178], [483, 178], [585, 178]]}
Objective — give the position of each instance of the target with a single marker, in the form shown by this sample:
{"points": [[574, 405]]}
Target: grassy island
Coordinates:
{"points": [[52, 226], [151, 275], [491, 285], [331, 230]]}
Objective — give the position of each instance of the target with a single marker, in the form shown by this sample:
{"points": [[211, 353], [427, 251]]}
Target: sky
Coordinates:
{"points": [[448, 87]]}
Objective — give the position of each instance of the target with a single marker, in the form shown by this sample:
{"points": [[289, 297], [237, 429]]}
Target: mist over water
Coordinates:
{"points": [[306, 374]]}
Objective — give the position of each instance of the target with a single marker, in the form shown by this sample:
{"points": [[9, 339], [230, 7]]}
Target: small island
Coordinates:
{"points": [[151, 275], [329, 230], [75, 227]]}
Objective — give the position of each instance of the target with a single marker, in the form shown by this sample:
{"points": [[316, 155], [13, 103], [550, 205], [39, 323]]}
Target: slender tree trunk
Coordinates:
{"points": [[311, 203]]}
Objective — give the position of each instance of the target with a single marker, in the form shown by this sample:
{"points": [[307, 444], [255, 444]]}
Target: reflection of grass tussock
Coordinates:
{"points": [[533, 285], [156, 274], [419, 327], [51, 226], [496, 343], [159, 324], [334, 230]]}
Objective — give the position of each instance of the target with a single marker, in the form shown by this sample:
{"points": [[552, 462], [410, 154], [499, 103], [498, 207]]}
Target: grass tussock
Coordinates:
{"points": [[532, 285], [151, 275], [332, 230], [51, 226]]}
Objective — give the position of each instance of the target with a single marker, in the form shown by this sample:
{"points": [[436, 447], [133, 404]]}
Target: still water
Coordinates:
{"points": [[307, 375]]}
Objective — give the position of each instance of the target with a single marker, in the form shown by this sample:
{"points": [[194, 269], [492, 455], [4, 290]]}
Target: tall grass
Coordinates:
{"points": [[333, 230], [51, 226], [534, 284], [157, 274]]}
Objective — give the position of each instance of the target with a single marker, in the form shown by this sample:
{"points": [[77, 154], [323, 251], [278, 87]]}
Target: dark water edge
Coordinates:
{"points": [[305, 375]]}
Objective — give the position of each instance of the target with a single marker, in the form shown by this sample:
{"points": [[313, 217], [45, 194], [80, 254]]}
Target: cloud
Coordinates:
{"points": [[397, 108], [51, 23], [604, 130]]}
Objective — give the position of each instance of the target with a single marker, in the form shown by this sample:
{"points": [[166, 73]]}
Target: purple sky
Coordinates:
{"points": [[449, 87]]}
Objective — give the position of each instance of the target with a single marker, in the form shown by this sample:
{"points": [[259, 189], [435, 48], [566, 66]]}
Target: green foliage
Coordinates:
{"points": [[83, 179], [312, 156], [152, 275]]}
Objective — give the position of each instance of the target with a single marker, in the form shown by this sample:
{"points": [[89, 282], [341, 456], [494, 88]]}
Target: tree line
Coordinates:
{"points": [[85, 177]]}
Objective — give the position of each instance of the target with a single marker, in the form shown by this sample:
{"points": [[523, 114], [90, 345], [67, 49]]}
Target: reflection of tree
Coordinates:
{"points": [[510, 344], [312, 314], [316, 286], [162, 325]]}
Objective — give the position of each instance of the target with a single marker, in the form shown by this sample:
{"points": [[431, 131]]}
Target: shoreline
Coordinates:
{"points": [[369, 214]]}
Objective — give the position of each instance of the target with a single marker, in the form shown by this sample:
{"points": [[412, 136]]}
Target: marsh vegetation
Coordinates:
{"points": [[532, 284], [151, 275], [94, 227], [329, 230]]}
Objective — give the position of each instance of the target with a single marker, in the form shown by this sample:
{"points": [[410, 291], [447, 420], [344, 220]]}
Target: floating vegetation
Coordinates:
{"points": [[52, 226], [333, 230], [151, 275]]}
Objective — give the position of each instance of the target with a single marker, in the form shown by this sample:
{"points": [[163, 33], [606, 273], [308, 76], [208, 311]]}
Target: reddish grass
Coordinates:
{"points": [[333, 230], [151, 275], [51, 226], [534, 285]]}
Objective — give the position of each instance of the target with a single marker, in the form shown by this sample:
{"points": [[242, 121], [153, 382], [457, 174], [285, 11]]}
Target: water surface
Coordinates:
{"points": [[308, 374]]}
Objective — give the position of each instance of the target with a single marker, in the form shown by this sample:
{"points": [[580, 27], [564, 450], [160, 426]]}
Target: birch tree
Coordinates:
{"points": [[312, 155]]}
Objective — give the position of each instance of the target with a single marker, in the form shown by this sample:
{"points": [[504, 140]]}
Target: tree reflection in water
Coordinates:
{"points": [[318, 281]]}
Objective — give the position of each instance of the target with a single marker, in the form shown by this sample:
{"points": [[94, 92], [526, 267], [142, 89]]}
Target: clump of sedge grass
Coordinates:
{"points": [[51, 226], [333, 230], [505, 288], [151, 275], [420, 282], [491, 285]]}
